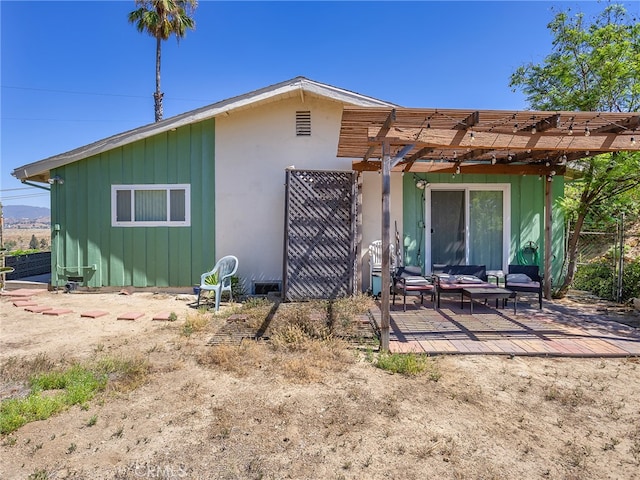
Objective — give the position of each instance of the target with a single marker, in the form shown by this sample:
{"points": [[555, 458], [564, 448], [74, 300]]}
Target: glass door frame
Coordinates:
{"points": [[505, 188]]}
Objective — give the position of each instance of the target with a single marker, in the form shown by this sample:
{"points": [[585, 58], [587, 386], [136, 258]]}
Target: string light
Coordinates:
{"points": [[587, 132], [458, 170], [493, 159], [534, 130], [515, 128], [472, 135], [633, 141], [570, 129]]}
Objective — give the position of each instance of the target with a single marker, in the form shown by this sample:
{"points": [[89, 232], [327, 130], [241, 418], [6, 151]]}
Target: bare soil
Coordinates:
{"points": [[323, 410]]}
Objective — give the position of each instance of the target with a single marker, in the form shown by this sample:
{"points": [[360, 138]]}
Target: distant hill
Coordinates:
{"points": [[21, 213]]}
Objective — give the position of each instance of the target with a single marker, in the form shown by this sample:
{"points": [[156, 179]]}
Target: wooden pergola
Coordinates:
{"points": [[476, 141]]}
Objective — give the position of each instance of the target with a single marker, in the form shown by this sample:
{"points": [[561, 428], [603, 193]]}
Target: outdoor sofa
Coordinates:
{"points": [[452, 279]]}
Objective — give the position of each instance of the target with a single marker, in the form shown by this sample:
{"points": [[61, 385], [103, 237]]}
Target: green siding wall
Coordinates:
{"points": [[527, 214], [136, 256]]}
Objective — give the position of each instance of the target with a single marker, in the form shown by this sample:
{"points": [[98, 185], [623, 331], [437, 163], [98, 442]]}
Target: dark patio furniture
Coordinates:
{"points": [[525, 279], [452, 279], [490, 293], [408, 280]]}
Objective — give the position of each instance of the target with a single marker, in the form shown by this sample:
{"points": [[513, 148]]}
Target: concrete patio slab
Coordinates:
{"points": [[57, 311], [24, 303], [38, 309], [130, 316], [94, 314]]}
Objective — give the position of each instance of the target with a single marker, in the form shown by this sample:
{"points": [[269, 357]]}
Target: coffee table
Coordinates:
{"points": [[490, 293]]}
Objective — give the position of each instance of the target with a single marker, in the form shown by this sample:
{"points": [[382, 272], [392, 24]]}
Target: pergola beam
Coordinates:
{"points": [[386, 126], [543, 124], [450, 167], [608, 142], [631, 123], [401, 154], [416, 156], [470, 121]]}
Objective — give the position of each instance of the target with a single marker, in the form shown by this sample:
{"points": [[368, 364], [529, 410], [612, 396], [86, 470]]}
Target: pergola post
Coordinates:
{"points": [[386, 241], [548, 219]]}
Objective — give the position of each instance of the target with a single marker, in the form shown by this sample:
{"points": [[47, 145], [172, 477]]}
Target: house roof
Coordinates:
{"points": [[482, 141], [300, 86]]}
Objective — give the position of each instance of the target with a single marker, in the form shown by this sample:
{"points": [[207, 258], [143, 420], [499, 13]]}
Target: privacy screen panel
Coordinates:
{"points": [[319, 235]]}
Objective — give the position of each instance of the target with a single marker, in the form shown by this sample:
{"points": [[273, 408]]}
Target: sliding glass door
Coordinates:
{"points": [[469, 225], [447, 227]]}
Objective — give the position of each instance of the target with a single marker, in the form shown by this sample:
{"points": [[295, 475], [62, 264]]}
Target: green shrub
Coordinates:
{"points": [[19, 253], [55, 391], [599, 278], [631, 280], [410, 364]]}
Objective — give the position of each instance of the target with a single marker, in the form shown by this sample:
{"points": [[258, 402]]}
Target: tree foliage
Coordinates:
{"points": [[33, 243], [161, 19], [594, 66]]}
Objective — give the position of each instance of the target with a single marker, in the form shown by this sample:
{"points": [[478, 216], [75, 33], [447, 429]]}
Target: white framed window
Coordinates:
{"points": [[151, 205]]}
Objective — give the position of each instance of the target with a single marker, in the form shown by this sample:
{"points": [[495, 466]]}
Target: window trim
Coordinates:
{"points": [[141, 186]]}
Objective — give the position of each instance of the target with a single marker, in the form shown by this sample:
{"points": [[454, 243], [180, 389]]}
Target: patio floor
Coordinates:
{"points": [[556, 330]]}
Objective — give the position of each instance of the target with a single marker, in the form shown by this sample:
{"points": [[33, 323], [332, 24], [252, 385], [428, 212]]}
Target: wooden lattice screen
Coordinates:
{"points": [[319, 256]]}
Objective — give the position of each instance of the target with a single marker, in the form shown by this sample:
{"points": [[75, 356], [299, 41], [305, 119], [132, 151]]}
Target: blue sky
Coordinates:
{"points": [[76, 72]]}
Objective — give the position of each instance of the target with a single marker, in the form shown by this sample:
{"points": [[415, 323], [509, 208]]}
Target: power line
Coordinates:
{"points": [[71, 92], [70, 120], [16, 197]]}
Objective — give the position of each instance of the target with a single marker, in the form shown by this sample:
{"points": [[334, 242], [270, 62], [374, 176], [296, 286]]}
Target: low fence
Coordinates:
{"points": [[612, 248], [28, 265]]}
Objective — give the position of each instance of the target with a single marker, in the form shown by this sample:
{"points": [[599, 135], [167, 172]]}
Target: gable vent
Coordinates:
{"points": [[303, 124]]}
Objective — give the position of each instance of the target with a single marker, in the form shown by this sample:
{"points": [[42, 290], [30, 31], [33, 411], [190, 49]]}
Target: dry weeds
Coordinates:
{"points": [[307, 404]]}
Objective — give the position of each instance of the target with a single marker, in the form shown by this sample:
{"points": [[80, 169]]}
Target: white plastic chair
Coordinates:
{"points": [[218, 280], [375, 259]]}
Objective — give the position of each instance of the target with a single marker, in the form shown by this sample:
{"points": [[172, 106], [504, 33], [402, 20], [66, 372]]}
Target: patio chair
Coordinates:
{"points": [[408, 280], [525, 278], [218, 280]]}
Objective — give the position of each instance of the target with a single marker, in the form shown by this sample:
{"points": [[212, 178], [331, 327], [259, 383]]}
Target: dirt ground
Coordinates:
{"points": [[322, 412]]}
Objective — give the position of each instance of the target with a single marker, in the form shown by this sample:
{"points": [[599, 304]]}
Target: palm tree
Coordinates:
{"points": [[161, 19]]}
